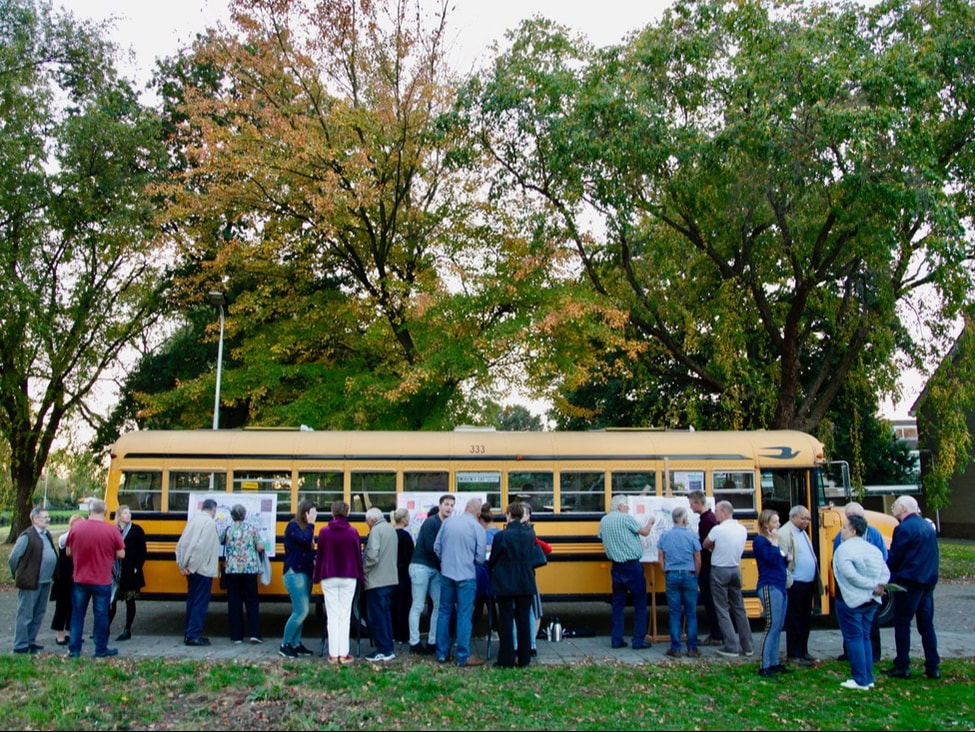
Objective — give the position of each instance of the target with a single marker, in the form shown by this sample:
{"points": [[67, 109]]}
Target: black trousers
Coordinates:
{"points": [[798, 619], [512, 610]]}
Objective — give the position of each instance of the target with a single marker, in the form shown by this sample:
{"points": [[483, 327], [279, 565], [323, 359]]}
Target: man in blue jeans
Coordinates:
{"points": [[620, 534], [679, 554], [461, 544], [425, 576], [913, 562], [93, 546], [198, 557]]}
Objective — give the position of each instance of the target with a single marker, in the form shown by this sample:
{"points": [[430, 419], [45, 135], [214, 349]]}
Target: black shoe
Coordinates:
{"points": [[898, 673], [621, 644], [934, 673], [22, 650], [34, 648], [640, 646], [66, 641], [124, 635], [780, 669], [107, 653], [287, 651], [196, 642], [420, 649], [844, 657], [767, 673], [302, 651]]}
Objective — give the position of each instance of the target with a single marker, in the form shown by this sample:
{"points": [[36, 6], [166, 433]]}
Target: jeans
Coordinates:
{"points": [[730, 608], [197, 602], [298, 585], [917, 603], [855, 625], [460, 593], [31, 606], [100, 596], [774, 603], [426, 581], [682, 604], [379, 605], [628, 577]]}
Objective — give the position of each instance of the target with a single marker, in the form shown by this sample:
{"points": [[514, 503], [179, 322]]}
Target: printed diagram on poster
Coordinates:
{"points": [[262, 512], [660, 508], [420, 503]]}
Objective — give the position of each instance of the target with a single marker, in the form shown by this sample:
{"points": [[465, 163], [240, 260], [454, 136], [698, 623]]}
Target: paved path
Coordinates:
{"points": [[158, 632]]}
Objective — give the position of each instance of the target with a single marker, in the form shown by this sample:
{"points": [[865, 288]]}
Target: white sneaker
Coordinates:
{"points": [[851, 684], [380, 657]]}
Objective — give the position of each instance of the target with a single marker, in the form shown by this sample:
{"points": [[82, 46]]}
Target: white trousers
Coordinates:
{"points": [[339, 593]]}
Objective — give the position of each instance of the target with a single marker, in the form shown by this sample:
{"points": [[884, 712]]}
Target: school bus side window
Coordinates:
{"points": [[738, 487], [321, 488], [141, 490], [534, 488], [373, 489], [266, 481], [184, 482], [582, 491], [634, 483]]}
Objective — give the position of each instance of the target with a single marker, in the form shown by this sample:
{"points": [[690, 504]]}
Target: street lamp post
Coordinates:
{"points": [[218, 300]]}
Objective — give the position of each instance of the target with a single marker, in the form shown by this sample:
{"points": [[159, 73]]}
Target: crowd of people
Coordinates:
{"points": [[461, 561]]}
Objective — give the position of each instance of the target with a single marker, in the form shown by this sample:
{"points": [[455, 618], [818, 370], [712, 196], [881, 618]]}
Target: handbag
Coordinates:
{"points": [[265, 569], [538, 557]]}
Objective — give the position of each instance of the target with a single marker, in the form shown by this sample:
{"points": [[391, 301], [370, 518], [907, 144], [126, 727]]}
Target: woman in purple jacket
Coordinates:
{"points": [[338, 566]]}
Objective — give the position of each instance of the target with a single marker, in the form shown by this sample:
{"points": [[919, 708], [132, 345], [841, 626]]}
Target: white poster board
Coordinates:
{"points": [[419, 504], [661, 508], [262, 512]]}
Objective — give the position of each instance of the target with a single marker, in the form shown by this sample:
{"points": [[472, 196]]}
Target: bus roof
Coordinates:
{"points": [[766, 448]]}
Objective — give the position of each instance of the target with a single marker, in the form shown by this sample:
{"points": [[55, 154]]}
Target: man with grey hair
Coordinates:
{"points": [[679, 553], [93, 546], [727, 543], [461, 544], [379, 568], [620, 534], [33, 563], [913, 562], [803, 584], [198, 558]]}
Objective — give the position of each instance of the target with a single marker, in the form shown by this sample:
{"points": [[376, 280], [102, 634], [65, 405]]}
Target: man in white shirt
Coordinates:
{"points": [[727, 543], [802, 584]]}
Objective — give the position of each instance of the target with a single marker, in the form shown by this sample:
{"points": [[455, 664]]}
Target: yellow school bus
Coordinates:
{"points": [[568, 477]]}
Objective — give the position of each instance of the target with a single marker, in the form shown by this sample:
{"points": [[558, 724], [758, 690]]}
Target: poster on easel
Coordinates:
{"points": [[660, 508], [419, 503], [261, 510]]}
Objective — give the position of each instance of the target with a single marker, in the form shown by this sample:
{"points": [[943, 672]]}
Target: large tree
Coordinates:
{"points": [[326, 184], [76, 228], [766, 200]]}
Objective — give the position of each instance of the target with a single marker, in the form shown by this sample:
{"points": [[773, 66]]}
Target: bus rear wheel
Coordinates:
{"points": [[885, 615]]}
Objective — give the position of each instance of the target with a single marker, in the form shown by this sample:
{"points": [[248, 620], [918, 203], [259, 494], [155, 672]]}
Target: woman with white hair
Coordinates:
{"points": [[242, 565]]}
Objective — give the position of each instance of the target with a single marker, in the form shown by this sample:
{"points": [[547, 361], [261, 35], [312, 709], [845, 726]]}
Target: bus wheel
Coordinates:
{"points": [[885, 615]]}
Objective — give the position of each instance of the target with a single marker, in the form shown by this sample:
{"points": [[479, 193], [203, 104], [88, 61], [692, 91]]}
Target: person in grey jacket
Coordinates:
{"points": [[379, 567], [861, 574]]}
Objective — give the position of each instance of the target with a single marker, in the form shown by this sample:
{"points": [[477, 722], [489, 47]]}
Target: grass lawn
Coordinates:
{"points": [[57, 693]]}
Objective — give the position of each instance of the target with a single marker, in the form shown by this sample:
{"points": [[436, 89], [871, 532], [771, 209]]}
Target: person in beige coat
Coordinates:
{"points": [[803, 584], [382, 577]]}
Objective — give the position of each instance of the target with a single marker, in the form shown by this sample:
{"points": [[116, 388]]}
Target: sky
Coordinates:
{"points": [[150, 30], [157, 29]]}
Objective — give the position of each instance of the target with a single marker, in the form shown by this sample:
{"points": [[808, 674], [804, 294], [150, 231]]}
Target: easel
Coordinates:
{"points": [[651, 570]]}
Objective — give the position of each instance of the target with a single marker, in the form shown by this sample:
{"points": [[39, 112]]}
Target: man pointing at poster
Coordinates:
{"points": [[620, 534]]}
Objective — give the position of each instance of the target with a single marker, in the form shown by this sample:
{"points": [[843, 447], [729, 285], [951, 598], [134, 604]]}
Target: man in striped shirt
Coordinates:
{"points": [[620, 534]]}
